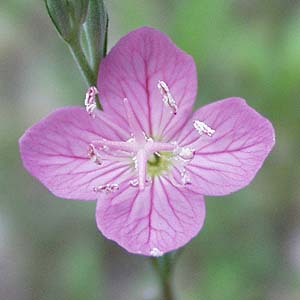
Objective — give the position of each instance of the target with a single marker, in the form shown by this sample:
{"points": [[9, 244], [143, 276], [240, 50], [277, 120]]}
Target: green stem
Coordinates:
{"points": [[167, 291], [164, 269]]}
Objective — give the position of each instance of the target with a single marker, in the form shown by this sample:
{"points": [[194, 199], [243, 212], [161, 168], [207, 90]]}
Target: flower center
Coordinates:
{"points": [[148, 157], [159, 164]]}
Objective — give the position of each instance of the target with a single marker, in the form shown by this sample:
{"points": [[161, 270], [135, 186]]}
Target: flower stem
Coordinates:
{"points": [[164, 267]]}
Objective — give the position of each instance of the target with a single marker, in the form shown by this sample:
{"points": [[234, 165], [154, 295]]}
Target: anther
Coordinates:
{"points": [[134, 182], [185, 178], [90, 100], [107, 188], [167, 96], [184, 152], [155, 252], [203, 128], [94, 155]]}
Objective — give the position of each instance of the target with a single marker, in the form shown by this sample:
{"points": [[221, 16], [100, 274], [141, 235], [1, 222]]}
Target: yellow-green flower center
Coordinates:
{"points": [[159, 164]]}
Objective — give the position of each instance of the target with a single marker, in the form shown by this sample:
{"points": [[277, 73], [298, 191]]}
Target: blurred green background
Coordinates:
{"points": [[250, 246]]}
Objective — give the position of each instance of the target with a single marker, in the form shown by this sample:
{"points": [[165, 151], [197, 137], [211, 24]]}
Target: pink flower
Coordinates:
{"points": [[148, 159]]}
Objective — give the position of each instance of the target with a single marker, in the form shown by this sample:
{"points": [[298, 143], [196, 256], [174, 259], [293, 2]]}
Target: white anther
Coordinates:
{"points": [[203, 128], [155, 252], [94, 155], [134, 182], [131, 140], [90, 100], [184, 153], [185, 177], [167, 96], [187, 153], [107, 188]]}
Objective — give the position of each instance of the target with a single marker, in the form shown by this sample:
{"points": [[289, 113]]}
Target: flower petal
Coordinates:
{"points": [[133, 69], [228, 160], [55, 151], [157, 220]]}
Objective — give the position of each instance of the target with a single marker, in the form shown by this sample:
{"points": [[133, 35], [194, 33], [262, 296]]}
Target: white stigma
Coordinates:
{"points": [[107, 188], [94, 155], [203, 128], [90, 100], [155, 252], [167, 96]]}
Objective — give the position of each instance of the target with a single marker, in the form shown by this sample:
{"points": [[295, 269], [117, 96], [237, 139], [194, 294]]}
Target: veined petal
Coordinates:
{"points": [[55, 151], [159, 219], [133, 69], [229, 159]]}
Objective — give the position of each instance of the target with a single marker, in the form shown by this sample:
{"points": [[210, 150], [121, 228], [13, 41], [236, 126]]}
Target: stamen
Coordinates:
{"points": [[94, 155], [203, 128], [107, 188], [185, 177], [134, 182], [133, 122], [187, 153], [155, 252], [167, 96], [184, 153], [90, 100]]}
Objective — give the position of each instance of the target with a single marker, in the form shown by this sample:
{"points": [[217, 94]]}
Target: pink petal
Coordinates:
{"points": [[132, 70], [55, 151], [230, 159], [157, 220]]}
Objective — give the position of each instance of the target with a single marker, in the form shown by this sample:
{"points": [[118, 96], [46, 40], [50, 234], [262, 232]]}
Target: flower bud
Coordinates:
{"points": [[67, 16], [96, 27]]}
